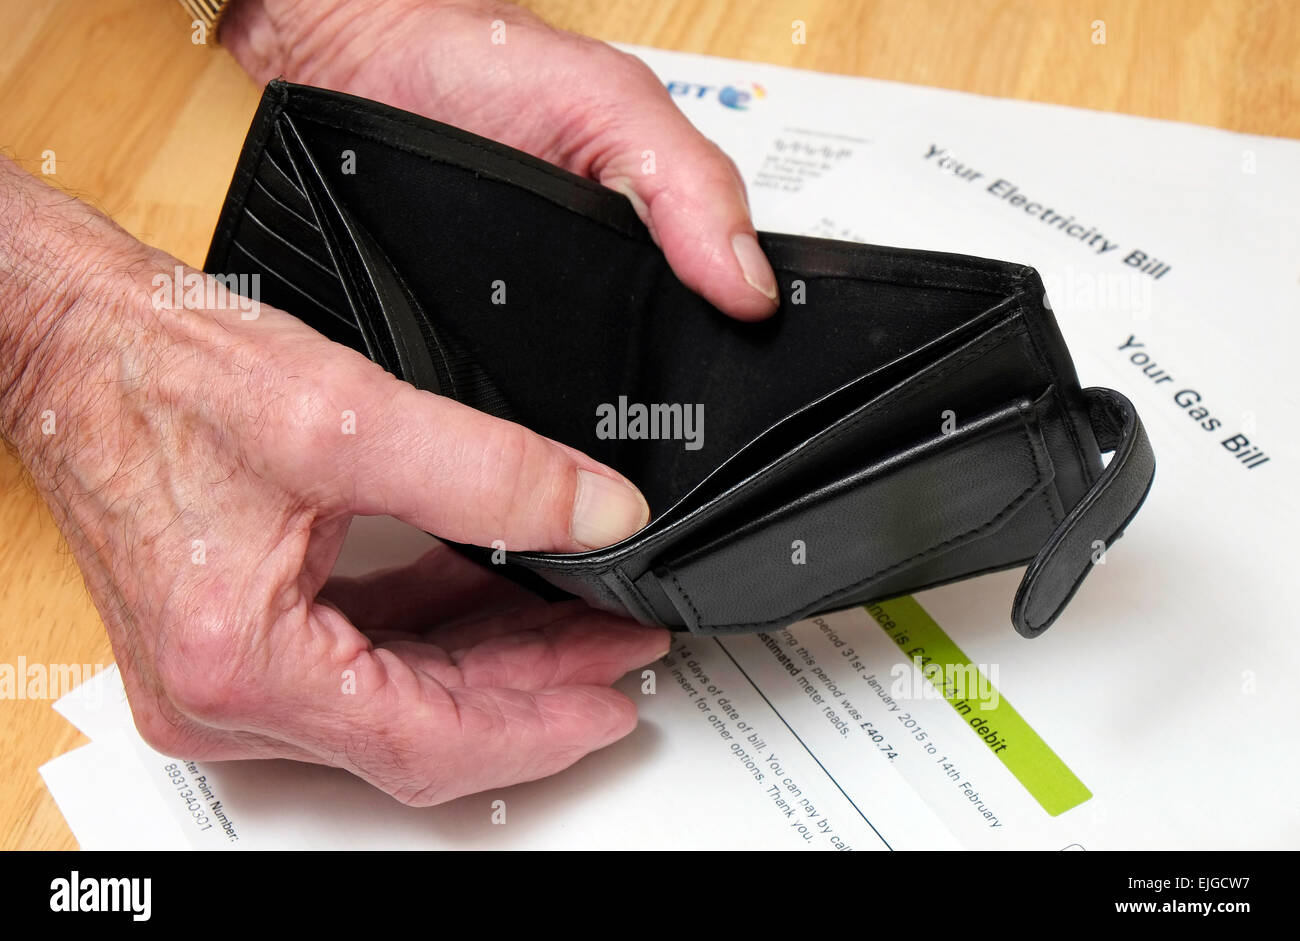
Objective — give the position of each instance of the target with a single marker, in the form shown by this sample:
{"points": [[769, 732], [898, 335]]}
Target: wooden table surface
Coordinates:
{"points": [[147, 126]]}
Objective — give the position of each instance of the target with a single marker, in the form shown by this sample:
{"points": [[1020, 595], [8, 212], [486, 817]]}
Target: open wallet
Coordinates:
{"points": [[906, 419]]}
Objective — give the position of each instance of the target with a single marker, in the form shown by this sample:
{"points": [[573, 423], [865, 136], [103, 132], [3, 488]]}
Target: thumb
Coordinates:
{"points": [[691, 197], [469, 477]]}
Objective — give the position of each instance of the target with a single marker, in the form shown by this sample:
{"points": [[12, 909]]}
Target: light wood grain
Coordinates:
{"points": [[147, 126]]}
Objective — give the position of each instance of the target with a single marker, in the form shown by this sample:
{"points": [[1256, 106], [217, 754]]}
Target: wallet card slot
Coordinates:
{"points": [[283, 224], [387, 314], [277, 178], [292, 262], [259, 187], [323, 321], [894, 512]]}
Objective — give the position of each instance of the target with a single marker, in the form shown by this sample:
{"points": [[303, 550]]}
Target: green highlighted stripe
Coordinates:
{"points": [[985, 711]]}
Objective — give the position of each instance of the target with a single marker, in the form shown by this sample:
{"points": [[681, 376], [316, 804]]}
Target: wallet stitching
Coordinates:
{"points": [[949, 285], [633, 595], [699, 618], [1014, 506], [1050, 504], [1003, 281], [1058, 404], [1066, 417]]}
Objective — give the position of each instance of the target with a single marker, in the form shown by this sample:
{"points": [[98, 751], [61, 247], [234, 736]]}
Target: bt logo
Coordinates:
{"points": [[737, 97]]}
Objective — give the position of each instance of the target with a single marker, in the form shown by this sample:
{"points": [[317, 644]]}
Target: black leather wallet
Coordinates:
{"points": [[906, 419]]}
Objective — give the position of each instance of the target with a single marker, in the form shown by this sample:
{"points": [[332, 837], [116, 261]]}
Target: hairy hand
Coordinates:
{"points": [[204, 468]]}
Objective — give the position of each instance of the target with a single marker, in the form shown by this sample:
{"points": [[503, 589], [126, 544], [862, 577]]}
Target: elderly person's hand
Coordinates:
{"points": [[197, 461]]}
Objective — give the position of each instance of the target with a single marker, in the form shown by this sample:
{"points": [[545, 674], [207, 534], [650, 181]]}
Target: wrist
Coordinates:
{"points": [[60, 263]]}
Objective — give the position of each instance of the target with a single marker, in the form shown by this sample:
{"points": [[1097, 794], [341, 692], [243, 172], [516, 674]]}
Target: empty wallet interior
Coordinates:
{"points": [[531, 311], [914, 417]]}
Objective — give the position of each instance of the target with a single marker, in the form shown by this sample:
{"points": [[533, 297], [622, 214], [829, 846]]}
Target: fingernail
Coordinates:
{"points": [[753, 264], [623, 185], [606, 510]]}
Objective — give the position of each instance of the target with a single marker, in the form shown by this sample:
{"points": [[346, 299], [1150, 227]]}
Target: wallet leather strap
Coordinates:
{"points": [[1081, 539]]}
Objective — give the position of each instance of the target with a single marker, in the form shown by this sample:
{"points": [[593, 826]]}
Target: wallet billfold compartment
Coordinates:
{"points": [[906, 419]]}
